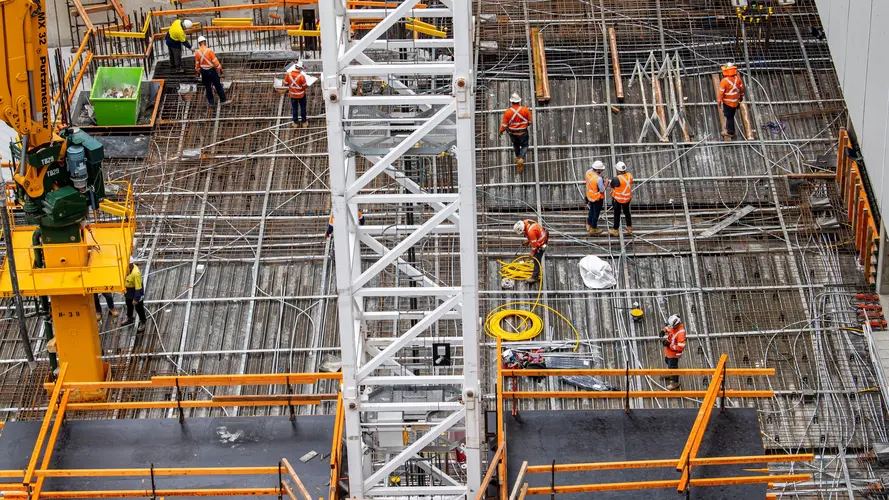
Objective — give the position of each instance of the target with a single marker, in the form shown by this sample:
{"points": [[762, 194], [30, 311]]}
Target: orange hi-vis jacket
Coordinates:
{"points": [[296, 82], [676, 338], [537, 236], [731, 90], [623, 193], [205, 58], [516, 119], [592, 186]]}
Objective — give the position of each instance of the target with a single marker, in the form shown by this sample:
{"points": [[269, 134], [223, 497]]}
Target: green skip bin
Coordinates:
{"points": [[115, 96]]}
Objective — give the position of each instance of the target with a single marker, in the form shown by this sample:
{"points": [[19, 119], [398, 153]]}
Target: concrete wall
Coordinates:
{"points": [[858, 35]]}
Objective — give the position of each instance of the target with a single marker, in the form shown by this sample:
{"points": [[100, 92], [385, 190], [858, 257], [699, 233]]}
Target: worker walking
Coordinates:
{"points": [[207, 66], [134, 295], [175, 39], [297, 84], [109, 300], [731, 93], [536, 237], [595, 196], [515, 121], [674, 343], [621, 195]]}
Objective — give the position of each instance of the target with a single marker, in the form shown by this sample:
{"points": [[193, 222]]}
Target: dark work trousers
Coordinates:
{"points": [[519, 144], [538, 261], [298, 106], [672, 364], [210, 79], [109, 299], [729, 113], [595, 207], [617, 207], [175, 57], [140, 306]]}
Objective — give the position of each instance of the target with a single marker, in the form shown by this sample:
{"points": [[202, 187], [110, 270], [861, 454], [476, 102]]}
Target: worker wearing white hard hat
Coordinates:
{"points": [[673, 340], [206, 64], [595, 196], [516, 120], [729, 96], [537, 238], [134, 295], [621, 195], [175, 39], [297, 84]]}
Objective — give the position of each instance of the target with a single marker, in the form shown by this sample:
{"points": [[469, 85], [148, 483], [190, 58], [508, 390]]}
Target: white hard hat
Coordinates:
{"points": [[298, 65], [519, 227], [620, 166], [188, 24], [132, 259], [598, 165], [673, 320], [515, 98], [202, 39]]}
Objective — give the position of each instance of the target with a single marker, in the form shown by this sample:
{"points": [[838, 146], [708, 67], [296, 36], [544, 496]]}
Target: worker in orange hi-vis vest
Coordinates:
{"points": [[595, 196], [207, 66], [621, 195], [674, 344], [536, 237], [297, 84], [731, 93], [516, 120]]}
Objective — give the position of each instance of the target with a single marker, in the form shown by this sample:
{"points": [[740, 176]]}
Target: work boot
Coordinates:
{"points": [[726, 136], [629, 229], [613, 232], [128, 322], [520, 165], [98, 316], [226, 102], [589, 229], [295, 125], [533, 280], [305, 124], [114, 313], [595, 231], [141, 328], [673, 386]]}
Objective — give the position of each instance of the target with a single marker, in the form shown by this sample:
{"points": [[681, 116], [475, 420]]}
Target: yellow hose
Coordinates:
{"points": [[520, 269]]}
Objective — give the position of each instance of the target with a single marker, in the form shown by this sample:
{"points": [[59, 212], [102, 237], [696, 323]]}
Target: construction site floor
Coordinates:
{"points": [[199, 442], [571, 437]]}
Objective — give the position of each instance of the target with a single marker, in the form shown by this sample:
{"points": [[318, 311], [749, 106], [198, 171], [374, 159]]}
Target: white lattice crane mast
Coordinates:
{"points": [[401, 415]]}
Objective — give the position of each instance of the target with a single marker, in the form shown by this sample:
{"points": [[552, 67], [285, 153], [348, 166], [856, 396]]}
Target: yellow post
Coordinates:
{"points": [[78, 343]]}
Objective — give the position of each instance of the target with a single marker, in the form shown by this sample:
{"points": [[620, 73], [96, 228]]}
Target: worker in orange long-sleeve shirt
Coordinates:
{"points": [[731, 93], [537, 238], [516, 120], [207, 66], [674, 345]]}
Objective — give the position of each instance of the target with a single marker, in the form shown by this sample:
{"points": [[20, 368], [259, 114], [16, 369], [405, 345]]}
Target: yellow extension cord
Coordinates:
{"points": [[520, 269]]}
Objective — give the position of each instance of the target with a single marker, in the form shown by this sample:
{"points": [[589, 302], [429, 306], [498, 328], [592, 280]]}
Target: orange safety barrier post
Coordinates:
{"points": [[296, 481], [50, 444], [336, 449], [858, 206], [44, 427], [717, 383], [494, 463]]}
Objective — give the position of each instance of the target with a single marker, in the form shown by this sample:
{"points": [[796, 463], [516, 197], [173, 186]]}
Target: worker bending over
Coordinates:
{"points": [[674, 344], [731, 93], [536, 237], [175, 39], [297, 84], [595, 196], [515, 121], [134, 296], [621, 195], [330, 224], [207, 66]]}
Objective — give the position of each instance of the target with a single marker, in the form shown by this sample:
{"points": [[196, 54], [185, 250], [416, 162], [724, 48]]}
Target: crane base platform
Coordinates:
{"points": [[584, 436]]}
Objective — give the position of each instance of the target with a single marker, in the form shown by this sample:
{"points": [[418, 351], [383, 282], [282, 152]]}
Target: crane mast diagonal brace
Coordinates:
{"points": [[344, 62]]}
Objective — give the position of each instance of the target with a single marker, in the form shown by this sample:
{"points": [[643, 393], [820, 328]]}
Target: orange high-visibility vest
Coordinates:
{"points": [[296, 82], [537, 236], [623, 193], [592, 186], [205, 58], [676, 338], [517, 118], [731, 88]]}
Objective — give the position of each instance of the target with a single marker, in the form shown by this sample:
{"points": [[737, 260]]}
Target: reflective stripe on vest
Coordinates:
{"points": [[540, 240], [522, 122], [732, 95], [592, 187], [209, 64], [296, 90], [624, 193]]}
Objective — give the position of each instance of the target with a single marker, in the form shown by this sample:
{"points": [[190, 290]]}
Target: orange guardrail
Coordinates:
{"points": [[858, 206]]}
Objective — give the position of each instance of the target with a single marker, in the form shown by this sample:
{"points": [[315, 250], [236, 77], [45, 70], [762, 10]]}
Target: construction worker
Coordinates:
{"points": [[295, 81], [731, 93], [134, 295], [330, 224], [109, 300], [595, 196], [175, 39], [621, 195], [206, 65], [516, 120], [674, 343], [536, 237]]}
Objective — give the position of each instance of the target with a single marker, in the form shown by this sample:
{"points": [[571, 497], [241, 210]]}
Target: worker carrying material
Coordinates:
{"points": [[731, 93], [134, 295], [595, 196], [537, 238], [297, 84], [621, 195], [516, 120], [674, 343], [330, 224], [207, 66], [175, 39]]}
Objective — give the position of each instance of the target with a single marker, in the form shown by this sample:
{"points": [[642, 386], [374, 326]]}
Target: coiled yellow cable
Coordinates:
{"points": [[520, 269]]}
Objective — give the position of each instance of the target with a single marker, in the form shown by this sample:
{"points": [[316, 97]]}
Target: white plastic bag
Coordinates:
{"points": [[596, 273]]}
